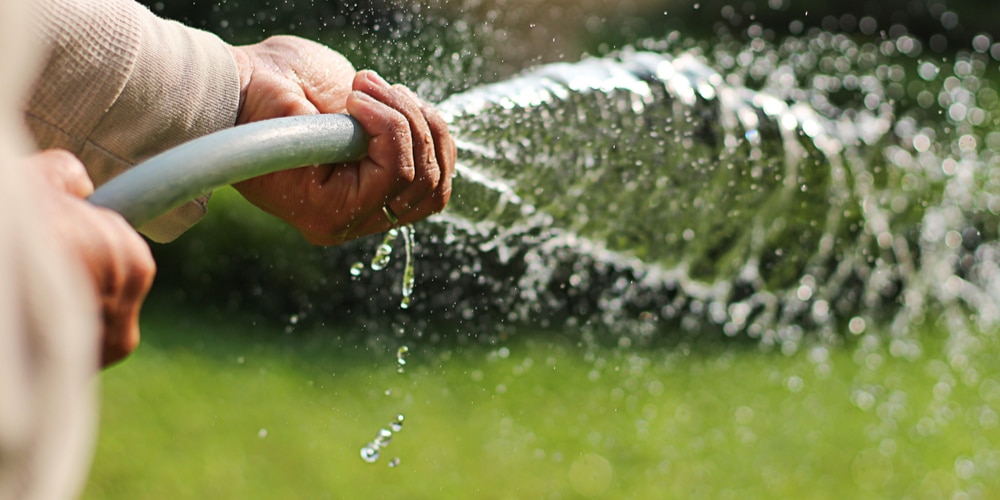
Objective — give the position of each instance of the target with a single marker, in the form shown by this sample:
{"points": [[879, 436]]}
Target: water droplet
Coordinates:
{"points": [[401, 354], [408, 276], [369, 453], [262, 433], [384, 438], [357, 268], [384, 252], [381, 261], [394, 462]]}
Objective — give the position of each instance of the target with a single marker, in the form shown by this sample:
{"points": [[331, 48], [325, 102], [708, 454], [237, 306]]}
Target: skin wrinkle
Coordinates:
{"points": [[414, 118]]}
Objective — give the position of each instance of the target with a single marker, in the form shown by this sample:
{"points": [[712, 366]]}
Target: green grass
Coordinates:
{"points": [[221, 407]]}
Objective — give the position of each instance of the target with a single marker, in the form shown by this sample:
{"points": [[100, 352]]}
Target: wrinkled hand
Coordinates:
{"points": [[411, 156], [112, 254]]}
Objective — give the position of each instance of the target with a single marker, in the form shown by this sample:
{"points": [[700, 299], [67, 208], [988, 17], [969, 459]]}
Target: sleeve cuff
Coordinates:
{"points": [[185, 84]]}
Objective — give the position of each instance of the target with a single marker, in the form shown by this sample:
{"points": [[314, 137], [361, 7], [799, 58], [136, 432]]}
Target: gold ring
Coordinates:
{"points": [[390, 215]]}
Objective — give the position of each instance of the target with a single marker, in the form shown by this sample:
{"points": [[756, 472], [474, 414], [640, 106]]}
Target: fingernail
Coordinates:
{"points": [[374, 77]]}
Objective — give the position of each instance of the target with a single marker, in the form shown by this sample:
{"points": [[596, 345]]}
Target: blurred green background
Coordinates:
{"points": [[254, 380], [231, 407]]}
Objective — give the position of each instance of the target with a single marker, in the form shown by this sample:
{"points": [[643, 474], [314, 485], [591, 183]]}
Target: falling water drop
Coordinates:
{"points": [[398, 424], [369, 453], [384, 438], [357, 268], [384, 251], [408, 278], [401, 355]]}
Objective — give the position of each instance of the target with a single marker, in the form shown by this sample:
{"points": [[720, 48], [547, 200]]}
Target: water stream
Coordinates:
{"points": [[804, 189]]}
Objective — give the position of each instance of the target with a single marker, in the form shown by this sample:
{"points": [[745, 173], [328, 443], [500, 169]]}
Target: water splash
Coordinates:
{"points": [[766, 189], [647, 188]]}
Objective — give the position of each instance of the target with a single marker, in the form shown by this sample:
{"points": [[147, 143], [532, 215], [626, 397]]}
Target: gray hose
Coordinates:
{"points": [[178, 175]]}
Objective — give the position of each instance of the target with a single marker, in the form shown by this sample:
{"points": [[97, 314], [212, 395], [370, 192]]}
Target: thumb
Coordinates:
{"points": [[62, 170]]}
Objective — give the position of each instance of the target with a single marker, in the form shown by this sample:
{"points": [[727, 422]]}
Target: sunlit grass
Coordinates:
{"points": [[222, 408]]}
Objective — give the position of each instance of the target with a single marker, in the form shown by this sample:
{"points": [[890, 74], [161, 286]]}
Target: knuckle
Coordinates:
{"points": [[64, 159], [445, 197], [136, 266], [399, 125], [291, 107], [119, 345], [440, 199], [126, 344], [431, 176], [434, 118], [66, 169], [144, 268]]}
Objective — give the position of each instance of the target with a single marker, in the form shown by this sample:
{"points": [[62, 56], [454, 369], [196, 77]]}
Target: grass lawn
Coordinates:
{"points": [[216, 406]]}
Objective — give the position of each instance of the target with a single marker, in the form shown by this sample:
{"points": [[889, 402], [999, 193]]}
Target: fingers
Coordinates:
{"points": [[124, 276], [447, 154], [430, 148], [115, 258], [410, 160], [390, 164]]}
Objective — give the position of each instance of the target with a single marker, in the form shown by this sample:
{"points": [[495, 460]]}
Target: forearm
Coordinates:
{"points": [[120, 85]]}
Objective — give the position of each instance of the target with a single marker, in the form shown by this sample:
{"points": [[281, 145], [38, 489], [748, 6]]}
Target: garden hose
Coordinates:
{"points": [[178, 175]]}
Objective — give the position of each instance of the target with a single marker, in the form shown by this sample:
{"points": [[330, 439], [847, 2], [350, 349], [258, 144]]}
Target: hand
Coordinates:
{"points": [[112, 254], [411, 156]]}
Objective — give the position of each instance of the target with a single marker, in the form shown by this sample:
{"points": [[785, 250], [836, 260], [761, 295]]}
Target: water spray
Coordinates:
{"points": [[648, 185]]}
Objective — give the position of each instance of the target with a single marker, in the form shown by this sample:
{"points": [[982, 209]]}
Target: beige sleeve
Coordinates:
{"points": [[120, 85]]}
